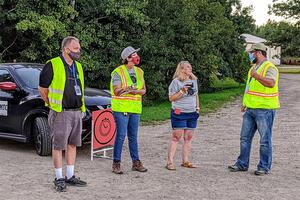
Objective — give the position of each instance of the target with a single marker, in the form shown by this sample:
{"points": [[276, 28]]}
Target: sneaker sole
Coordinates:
{"points": [[76, 185], [119, 173], [140, 170], [63, 190], [236, 170], [261, 174]]}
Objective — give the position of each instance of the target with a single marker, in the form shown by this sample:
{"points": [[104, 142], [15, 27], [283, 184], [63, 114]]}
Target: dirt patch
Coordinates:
{"points": [[24, 175]]}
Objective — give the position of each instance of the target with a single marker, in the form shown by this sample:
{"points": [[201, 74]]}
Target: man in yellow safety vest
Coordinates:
{"points": [[127, 87], [62, 88], [260, 101]]}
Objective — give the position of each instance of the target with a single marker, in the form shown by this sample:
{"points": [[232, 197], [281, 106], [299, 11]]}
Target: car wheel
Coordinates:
{"points": [[42, 137]]}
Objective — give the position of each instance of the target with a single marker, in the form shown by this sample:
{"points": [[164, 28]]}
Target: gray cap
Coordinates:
{"points": [[258, 46], [128, 51]]}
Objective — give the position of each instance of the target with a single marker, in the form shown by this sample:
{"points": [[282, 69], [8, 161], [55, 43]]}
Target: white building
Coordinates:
{"points": [[273, 53]]}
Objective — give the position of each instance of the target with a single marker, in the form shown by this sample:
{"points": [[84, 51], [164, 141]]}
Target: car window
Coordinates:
{"points": [[29, 75], [5, 76]]}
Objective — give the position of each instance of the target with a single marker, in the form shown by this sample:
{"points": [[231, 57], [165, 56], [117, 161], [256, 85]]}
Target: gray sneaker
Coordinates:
{"points": [[60, 185], [260, 172], [73, 181], [235, 168]]}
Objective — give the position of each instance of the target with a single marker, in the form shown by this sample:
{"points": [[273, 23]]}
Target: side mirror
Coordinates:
{"points": [[8, 86]]}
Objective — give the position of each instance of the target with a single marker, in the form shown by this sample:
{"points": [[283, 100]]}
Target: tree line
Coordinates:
{"points": [[204, 32], [284, 33]]}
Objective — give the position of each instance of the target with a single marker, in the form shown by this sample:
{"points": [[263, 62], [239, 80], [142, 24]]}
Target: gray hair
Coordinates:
{"points": [[67, 40]]}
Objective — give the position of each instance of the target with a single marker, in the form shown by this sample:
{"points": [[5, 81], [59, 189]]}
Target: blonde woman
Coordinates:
{"points": [[183, 93]]}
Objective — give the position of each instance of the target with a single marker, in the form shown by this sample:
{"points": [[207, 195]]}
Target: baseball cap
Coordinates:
{"points": [[128, 51], [258, 46]]}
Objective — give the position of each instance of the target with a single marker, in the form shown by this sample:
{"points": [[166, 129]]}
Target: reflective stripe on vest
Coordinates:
{"points": [[262, 94], [57, 86], [128, 98], [257, 95], [127, 102]]}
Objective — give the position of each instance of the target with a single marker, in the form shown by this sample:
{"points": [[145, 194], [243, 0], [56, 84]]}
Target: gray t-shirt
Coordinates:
{"points": [[188, 102], [271, 72], [116, 80]]}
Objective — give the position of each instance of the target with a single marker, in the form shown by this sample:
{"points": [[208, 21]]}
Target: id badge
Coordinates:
{"points": [[77, 90]]}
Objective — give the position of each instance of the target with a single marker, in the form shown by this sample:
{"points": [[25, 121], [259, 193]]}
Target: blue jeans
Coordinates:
{"points": [[261, 120], [126, 122]]}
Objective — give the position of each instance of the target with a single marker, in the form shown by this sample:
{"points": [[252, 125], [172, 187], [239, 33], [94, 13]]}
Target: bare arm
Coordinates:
{"points": [[140, 92], [118, 90], [197, 103], [267, 82], [178, 94], [44, 94]]}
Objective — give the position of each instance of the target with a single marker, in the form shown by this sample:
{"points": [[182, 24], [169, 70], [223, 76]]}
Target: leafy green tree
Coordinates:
{"points": [[40, 27], [105, 28], [8, 36], [204, 32], [287, 9], [284, 34]]}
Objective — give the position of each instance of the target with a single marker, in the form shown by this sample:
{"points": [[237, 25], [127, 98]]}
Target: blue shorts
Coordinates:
{"points": [[184, 120]]}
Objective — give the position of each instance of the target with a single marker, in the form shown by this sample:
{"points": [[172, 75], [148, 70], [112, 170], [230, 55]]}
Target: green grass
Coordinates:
{"points": [[209, 102], [224, 84], [289, 69]]}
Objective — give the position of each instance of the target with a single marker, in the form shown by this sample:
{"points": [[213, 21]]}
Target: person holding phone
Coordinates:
{"points": [[127, 88], [183, 93]]}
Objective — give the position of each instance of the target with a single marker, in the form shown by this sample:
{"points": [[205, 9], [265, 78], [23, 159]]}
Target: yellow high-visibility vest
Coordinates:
{"points": [[127, 102], [57, 86], [259, 96]]}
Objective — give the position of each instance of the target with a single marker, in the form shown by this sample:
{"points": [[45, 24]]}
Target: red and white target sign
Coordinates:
{"points": [[103, 130]]}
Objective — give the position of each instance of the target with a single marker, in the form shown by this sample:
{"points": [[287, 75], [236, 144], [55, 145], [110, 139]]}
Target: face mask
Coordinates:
{"points": [[252, 58], [74, 55], [136, 60]]}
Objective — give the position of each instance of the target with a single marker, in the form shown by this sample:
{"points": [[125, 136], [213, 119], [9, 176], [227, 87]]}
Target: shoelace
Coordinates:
{"points": [[60, 184], [139, 164]]}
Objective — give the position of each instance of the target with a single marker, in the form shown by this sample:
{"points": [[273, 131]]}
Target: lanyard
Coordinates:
{"points": [[73, 71]]}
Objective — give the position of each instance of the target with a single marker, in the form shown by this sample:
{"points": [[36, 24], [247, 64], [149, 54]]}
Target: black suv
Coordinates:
{"points": [[23, 114]]}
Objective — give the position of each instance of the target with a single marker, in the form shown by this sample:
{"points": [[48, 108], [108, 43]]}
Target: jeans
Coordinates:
{"points": [[126, 122], [261, 120], [186, 121]]}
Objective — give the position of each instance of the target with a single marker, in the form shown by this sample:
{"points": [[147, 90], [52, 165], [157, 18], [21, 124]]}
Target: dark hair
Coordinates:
{"points": [[125, 62], [264, 53]]}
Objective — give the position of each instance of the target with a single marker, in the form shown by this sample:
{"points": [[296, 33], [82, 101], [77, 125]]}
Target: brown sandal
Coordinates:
{"points": [[188, 165], [170, 166]]}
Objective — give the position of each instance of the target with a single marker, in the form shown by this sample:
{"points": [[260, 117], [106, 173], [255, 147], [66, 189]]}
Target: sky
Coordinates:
{"points": [[260, 10]]}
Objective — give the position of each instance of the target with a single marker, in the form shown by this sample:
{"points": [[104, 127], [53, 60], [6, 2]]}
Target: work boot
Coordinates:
{"points": [[137, 165], [116, 167]]}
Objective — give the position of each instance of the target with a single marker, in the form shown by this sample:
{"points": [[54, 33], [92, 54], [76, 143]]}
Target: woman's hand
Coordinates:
{"points": [[184, 89]]}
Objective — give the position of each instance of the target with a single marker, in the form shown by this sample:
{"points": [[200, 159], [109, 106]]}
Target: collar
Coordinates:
{"points": [[259, 64]]}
